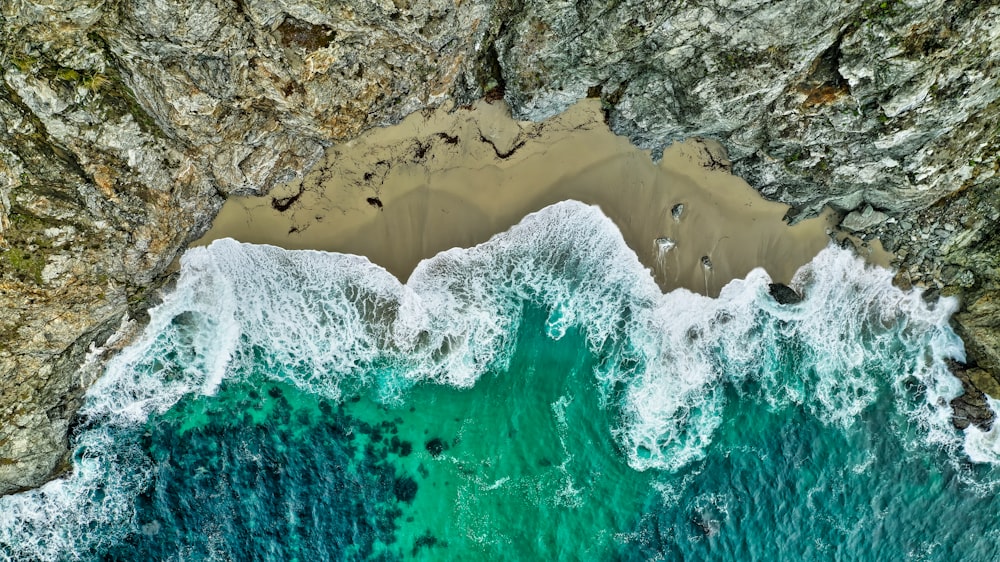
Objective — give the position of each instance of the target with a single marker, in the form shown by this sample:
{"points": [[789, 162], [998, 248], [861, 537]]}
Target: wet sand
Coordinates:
{"points": [[440, 180]]}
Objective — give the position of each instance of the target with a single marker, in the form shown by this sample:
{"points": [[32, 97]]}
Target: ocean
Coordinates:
{"points": [[536, 397]]}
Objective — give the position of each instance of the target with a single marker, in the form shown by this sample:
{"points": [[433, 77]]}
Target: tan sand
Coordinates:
{"points": [[440, 180], [871, 250]]}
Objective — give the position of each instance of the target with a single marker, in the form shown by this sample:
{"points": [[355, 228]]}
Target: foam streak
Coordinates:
{"points": [[333, 323]]}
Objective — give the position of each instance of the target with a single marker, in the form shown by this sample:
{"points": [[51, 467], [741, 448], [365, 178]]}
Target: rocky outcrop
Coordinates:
{"points": [[970, 408], [884, 110], [888, 103], [783, 294], [124, 124]]}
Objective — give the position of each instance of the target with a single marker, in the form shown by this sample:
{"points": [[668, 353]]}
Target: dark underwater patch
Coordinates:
{"points": [[296, 484]]}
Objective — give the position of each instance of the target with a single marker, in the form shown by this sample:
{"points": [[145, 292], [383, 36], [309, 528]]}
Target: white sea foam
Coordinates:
{"points": [[984, 446], [852, 333], [322, 321], [91, 509]]}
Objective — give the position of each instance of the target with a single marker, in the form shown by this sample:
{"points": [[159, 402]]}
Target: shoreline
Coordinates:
{"points": [[444, 179]]}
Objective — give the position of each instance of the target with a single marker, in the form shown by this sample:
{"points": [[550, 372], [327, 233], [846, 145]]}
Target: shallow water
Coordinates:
{"points": [[535, 397]]}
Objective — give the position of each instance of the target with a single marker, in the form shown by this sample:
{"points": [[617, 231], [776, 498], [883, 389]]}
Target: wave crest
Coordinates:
{"points": [[330, 323]]}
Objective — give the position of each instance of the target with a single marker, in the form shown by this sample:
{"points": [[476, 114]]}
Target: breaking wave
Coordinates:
{"points": [[333, 324]]}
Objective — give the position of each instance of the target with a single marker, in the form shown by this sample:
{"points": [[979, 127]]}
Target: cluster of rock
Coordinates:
{"points": [[971, 407], [124, 125]]}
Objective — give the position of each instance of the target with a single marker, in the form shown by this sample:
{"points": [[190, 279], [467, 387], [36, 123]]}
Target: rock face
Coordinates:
{"points": [[970, 408], [123, 126], [860, 221]]}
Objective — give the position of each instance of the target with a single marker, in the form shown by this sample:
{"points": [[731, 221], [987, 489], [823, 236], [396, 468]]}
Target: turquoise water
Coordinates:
{"points": [[533, 398]]}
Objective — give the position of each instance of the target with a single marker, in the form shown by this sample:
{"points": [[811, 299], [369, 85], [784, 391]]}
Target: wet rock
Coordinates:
{"points": [[971, 408], [979, 326], [784, 294]]}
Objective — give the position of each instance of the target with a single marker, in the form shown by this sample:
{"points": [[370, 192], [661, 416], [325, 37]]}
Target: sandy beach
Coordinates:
{"points": [[444, 179]]}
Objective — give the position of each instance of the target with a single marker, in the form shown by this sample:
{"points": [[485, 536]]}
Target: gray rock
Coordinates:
{"points": [[971, 407], [856, 221]]}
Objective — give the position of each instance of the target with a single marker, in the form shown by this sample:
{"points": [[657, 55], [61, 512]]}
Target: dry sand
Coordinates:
{"points": [[440, 180]]}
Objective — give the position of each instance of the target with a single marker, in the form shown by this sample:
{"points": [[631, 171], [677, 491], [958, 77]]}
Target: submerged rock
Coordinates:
{"points": [[677, 211], [664, 244], [405, 489], [435, 447], [971, 407]]}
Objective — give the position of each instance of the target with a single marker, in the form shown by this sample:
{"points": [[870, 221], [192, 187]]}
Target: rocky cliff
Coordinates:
{"points": [[125, 124]]}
